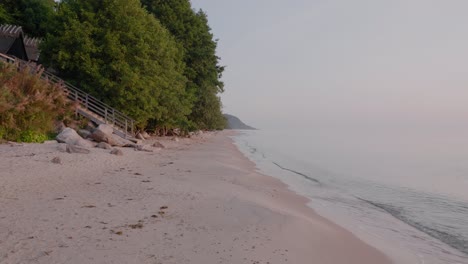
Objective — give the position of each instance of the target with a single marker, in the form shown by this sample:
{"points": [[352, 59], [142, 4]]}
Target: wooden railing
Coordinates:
{"points": [[6, 58], [94, 106], [88, 106]]}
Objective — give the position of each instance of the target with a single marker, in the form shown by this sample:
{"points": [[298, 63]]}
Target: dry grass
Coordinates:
{"points": [[29, 106]]}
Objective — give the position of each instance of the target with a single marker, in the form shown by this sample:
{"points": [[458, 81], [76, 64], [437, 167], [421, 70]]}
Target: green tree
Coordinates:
{"points": [[118, 52], [5, 18], [35, 16], [202, 70]]}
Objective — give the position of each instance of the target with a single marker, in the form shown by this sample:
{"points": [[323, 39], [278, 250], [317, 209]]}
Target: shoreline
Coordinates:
{"points": [[196, 201], [299, 203]]}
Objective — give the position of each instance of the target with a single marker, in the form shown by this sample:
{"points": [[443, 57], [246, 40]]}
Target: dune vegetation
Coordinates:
{"points": [[29, 105], [154, 60]]}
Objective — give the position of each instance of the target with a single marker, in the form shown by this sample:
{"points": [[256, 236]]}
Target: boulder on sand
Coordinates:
{"points": [[139, 136], [103, 145], [85, 143], [101, 136], [84, 133], [116, 152], [104, 133], [70, 137], [158, 145], [145, 135], [146, 148], [77, 149], [108, 129]]}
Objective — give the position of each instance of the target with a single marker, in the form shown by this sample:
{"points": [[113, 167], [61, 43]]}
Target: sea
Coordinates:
{"points": [[402, 192]]}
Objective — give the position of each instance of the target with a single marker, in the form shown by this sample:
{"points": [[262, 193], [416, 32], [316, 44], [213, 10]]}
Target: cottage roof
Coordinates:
{"points": [[10, 31], [32, 47]]}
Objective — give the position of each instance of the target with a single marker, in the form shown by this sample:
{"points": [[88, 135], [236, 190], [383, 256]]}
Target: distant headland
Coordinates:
{"points": [[235, 123]]}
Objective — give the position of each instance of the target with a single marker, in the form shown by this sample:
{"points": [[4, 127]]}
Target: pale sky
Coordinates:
{"points": [[341, 62]]}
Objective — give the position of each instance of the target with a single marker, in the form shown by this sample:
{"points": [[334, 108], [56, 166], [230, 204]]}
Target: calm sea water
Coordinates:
{"points": [[404, 193]]}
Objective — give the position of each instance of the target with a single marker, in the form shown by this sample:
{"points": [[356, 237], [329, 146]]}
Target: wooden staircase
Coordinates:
{"points": [[87, 105]]}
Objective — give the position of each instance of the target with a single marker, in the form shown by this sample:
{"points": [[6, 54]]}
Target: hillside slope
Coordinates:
{"points": [[235, 123]]}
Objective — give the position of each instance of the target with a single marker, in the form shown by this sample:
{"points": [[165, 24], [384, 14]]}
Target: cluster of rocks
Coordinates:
{"points": [[101, 137], [142, 135]]}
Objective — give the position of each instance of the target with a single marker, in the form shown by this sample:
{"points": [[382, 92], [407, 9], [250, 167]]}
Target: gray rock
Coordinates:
{"points": [[108, 129], [59, 126], [50, 142], [158, 145], [57, 160], [68, 136], [104, 134], [143, 148], [145, 135], [101, 136], [84, 133], [123, 142], [103, 145], [136, 141], [90, 126], [116, 152], [84, 143], [130, 145], [175, 139], [77, 149], [139, 136]]}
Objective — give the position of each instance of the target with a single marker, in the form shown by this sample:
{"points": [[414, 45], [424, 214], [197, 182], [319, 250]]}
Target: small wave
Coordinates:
{"points": [[251, 149], [296, 172], [452, 240]]}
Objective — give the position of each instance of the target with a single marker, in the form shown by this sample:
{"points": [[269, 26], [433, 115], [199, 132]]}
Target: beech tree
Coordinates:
{"points": [[121, 54], [4, 16], [202, 71], [34, 16]]}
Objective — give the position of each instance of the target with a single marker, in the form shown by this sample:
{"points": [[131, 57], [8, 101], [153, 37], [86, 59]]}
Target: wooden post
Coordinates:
{"points": [[105, 115], [76, 100], [86, 102], [126, 128]]}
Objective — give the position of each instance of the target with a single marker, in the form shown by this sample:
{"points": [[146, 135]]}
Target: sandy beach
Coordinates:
{"points": [[198, 200]]}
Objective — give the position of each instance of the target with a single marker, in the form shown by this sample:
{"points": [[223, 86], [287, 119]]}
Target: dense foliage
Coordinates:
{"points": [[35, 16], [202, 71], [5, 18], [117, 51], [29, 106], [153, 60]]}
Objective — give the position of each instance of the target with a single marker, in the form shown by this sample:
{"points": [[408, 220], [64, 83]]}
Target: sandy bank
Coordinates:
{"points": [[197, 201]]}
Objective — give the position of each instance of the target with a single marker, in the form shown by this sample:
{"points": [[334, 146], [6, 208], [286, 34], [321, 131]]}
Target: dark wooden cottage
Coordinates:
{"points": [[14, 42], [32, 48]]}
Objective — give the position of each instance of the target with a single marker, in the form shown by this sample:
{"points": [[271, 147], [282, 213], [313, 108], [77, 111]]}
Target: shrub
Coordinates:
{"points": [[32, 136], [29, 105]]}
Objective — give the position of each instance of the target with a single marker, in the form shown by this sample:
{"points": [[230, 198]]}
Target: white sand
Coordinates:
{"points": [[101, 208]]}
